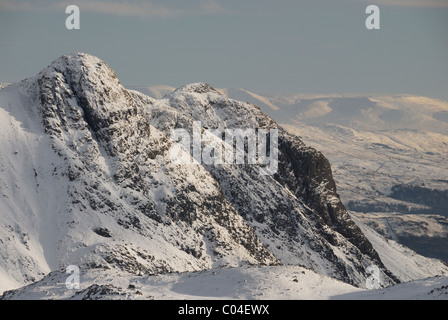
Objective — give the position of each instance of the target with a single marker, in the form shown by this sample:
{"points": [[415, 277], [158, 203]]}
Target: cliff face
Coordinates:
{"points": [[311, 179], [123, 203]]}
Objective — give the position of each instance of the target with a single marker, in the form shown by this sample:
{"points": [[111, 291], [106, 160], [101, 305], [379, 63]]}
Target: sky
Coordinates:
{"points": [[266, 46]]}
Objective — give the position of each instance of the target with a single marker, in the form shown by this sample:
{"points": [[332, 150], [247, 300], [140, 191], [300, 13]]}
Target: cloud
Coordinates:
{"points": [[152, 9], [18, 5], [135, 8], [410, 3]]}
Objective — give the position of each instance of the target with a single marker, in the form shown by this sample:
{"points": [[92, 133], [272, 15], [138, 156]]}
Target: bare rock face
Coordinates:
{"points": [[128, 206], [311, 179]]}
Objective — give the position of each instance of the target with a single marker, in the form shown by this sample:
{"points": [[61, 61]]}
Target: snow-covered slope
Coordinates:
{"points": [[92, 185], [402, 261], [236, 283], [243, 283], [428, 289], [87, 179]]}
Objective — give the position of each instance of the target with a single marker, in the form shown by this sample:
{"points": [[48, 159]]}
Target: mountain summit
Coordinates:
{"points": [[87, 178]]}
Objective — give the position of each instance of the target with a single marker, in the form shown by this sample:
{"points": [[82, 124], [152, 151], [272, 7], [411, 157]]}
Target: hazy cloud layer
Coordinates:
{"points": [[410, 3], [137, 8], [176, 8]]}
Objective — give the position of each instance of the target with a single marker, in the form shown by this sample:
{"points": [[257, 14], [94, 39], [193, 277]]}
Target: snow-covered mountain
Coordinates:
{"points": [[87, 179], [388, 155]]}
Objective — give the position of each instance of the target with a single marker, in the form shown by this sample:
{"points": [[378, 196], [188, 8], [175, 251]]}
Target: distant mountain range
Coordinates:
{"points": [[355, 111]]}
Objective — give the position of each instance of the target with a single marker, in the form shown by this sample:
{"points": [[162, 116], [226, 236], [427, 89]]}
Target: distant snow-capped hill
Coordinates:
{"points": [[356, 111], [368, 112]]}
